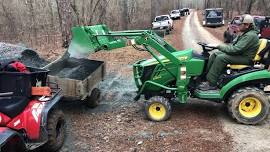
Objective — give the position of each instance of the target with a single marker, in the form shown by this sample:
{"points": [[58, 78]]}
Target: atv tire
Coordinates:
{"points": [[56, 127], [157, 108], [248, 105], [93, 100]]}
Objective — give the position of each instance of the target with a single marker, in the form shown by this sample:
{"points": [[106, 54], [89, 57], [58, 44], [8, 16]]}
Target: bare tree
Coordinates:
{"points": [[65, 19], [249, 6], [10, 20]]}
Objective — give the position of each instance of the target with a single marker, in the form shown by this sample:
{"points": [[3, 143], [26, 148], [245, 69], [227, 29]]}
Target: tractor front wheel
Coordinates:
{"points": [[158, 108], [249, 105]]}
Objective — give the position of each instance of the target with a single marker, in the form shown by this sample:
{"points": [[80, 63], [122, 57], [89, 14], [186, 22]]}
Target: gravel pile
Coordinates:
{"points": [[25, 55]]}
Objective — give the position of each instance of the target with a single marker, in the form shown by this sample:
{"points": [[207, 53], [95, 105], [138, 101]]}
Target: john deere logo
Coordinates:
{"points": [[157, 77], [183, 58]]}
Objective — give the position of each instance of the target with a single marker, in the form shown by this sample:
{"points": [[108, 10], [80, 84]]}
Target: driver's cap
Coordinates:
{"points": [[248, 19]]}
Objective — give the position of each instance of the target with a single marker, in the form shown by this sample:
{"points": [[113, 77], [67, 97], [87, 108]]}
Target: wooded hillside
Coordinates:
{"points": [[46, 23]]}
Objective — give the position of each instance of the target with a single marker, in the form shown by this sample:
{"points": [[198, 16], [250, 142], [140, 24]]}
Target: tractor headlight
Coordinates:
{"points": [[183, 73]]}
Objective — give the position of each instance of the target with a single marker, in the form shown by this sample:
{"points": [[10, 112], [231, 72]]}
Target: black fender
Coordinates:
{"points": [[51, 104], [11, 140]]}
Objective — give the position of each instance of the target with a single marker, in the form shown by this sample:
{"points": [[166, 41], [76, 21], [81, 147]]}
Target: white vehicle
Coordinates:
{"points": [[163, 22], [175, 14]]}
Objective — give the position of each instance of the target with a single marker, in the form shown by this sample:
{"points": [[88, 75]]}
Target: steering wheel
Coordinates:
{"points": [[205, 47]]}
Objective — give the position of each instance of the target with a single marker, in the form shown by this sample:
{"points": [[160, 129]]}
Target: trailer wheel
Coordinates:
{"points": [[93, 100], [248, 105], [56, 127], [157, 108]]}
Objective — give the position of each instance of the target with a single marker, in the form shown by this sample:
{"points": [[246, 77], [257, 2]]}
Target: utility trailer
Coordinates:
{"points": [[78, 78]]}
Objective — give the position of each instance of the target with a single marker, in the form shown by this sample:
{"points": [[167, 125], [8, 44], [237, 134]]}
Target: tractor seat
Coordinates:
{"points": [[257, 58], [12, 106]]}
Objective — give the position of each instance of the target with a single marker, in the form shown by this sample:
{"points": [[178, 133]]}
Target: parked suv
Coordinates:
{"points": [[184, 11], [163, 22], [232, 32], [265, 28], [213, 17], [175, 14]]}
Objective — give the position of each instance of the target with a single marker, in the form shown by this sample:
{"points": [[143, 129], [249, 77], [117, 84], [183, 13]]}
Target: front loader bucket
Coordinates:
{"points": [[89, 39]]}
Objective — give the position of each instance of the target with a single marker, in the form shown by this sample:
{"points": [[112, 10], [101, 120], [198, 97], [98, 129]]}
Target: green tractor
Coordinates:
{"points": [[174, 75]]}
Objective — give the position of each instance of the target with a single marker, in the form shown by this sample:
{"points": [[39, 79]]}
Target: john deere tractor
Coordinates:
{"points": [[174, 75]]}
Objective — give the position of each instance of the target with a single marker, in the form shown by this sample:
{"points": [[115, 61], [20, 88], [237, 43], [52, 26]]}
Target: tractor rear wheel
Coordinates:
{"points": [[158, 108], [249, 105], [56, 127]]}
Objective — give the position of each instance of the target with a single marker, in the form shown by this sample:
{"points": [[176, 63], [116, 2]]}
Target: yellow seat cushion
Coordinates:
{"points": [[237, 67], [263, 43]]}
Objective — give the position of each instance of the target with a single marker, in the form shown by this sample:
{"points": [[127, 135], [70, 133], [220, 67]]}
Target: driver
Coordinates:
{"points": [[241, 51]]}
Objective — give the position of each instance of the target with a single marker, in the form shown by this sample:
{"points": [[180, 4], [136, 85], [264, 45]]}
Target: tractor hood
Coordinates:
{"points": [[183, 56]]}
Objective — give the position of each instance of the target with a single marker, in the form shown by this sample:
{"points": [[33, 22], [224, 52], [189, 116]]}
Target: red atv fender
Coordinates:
{"points": [[49, 106], [33, 120], [29, 119], [10, 137]]}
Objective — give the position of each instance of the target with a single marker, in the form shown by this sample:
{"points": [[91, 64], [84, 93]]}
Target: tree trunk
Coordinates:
{"points": [[65, 20], [10, 22], [125, 14], [249, 6]]}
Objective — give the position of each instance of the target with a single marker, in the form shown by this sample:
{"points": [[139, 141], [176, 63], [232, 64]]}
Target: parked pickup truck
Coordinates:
{"points": [[213, 17], [163, 22], [175, 14], [265, 28], [260, 23]]}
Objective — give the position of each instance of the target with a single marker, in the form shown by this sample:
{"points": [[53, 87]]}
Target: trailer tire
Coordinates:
{"points": [[157, 108], [248, 105], [56, 127], [93, 100]]}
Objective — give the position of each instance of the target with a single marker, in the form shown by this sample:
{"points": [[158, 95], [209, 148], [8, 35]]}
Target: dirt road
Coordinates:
{"points": [[245, 138], [193, 32]]}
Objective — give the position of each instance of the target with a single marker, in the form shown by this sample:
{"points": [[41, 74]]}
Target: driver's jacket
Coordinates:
{"points": [[245, 45]]}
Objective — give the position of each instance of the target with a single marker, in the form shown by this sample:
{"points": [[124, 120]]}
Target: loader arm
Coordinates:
{"points": [[89, 39]]}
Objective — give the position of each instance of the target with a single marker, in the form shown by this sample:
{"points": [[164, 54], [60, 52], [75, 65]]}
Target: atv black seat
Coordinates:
{"points": [[12, 106]]}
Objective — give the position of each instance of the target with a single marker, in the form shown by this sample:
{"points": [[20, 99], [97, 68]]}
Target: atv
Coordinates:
{"points": [[174, 75], [29, 117]]}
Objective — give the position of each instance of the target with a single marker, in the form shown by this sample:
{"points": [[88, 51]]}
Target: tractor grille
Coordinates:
{"points": [[147, 72], [214, 20]]}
